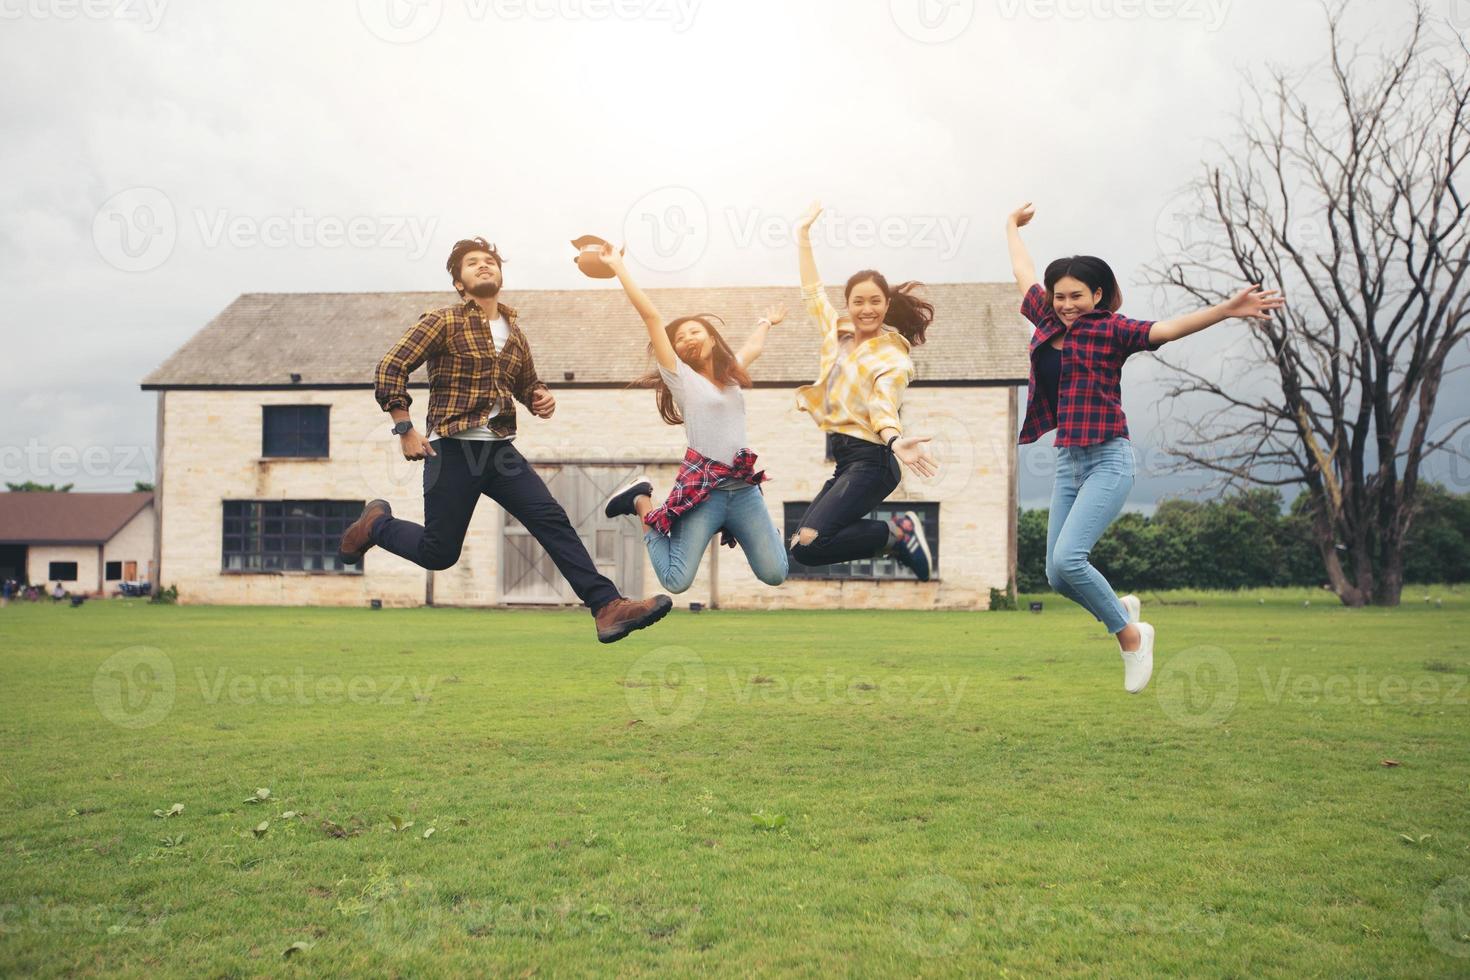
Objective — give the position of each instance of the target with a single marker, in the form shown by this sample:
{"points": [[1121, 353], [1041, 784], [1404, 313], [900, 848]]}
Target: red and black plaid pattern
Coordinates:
{"points": [[1091, 394], [470, 383], [698, 475]]}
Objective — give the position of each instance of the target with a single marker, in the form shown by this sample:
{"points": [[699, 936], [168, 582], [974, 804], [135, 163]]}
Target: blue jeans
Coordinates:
{"points": [[1091, 485], [742, 510]]}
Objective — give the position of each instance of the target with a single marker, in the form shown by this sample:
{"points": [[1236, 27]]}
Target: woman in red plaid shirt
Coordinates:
{"points": [[1077, 353], [698, 382]]}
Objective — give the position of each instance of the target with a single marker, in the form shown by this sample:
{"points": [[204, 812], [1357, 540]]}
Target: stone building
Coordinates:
{"points": [[269, 441], [89, 542]]}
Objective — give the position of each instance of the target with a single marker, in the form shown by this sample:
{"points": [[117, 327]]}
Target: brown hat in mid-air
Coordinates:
{"points": [[589, 259]]}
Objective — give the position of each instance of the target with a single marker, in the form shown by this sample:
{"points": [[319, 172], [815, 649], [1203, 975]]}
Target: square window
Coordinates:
{"points": [[296, 431]]}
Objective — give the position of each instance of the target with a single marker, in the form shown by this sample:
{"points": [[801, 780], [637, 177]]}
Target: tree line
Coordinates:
{"points": [[1247, 540]]}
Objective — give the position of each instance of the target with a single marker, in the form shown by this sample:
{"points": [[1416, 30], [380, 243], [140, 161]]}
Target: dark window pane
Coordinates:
{"points": [[62, 571], [296, 430], [290, 535]]}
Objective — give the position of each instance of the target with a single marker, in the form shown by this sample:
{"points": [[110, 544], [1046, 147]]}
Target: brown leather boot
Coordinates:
{"points": [[357, 539], [622, 616]]}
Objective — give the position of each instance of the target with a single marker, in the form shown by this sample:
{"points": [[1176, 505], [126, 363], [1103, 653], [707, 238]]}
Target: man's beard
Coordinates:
{"points": [[484, 290]]}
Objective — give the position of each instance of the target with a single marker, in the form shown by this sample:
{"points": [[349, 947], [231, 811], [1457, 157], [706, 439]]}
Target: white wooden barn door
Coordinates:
{"points": [[527, 573]]}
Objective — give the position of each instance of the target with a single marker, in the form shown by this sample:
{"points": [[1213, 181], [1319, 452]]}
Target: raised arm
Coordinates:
{"points": [[813, 293], [757, 341], [1251, 303], [1021, 264], [663, 350], [809, 277]]}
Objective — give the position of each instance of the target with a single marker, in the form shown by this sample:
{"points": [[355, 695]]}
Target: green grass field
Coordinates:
{"points": [[866, 794]]}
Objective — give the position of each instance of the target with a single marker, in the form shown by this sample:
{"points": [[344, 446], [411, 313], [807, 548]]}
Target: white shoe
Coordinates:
{"points": [[1138, 666], [1134, 606]]}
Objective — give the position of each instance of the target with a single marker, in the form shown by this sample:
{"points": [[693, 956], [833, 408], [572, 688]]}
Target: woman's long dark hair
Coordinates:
{"points": [[1092, 272], [727, 369], [908, 313]]}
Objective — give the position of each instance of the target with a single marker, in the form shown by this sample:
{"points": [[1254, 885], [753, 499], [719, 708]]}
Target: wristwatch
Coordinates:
{"points": [[402, 428]]}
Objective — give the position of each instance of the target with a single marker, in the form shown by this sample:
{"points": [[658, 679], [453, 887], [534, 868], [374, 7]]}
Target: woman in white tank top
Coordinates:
{"points": [[699, 384]]}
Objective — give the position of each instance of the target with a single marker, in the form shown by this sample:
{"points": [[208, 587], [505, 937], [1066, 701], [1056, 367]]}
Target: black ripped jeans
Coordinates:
{"points": [[866, 474]]}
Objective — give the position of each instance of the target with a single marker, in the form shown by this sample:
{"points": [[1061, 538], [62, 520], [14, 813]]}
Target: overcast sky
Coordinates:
{"points": [[162, 158]]}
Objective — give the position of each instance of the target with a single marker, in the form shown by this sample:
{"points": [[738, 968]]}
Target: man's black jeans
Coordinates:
{"points": [[866, 474], [453, 483]]}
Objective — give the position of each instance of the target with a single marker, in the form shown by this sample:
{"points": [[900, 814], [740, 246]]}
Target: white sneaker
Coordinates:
{"points": [[1138, 666], [1134, 605]]}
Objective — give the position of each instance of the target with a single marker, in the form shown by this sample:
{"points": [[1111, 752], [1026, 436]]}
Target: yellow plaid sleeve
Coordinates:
{"points": [[820, 307], [887, 396], [390, 383]]}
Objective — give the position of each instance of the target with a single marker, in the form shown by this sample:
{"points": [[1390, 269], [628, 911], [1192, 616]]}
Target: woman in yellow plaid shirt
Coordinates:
{"points": [[865, 368]]}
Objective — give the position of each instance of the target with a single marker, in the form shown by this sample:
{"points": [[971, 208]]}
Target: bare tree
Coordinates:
{"points": [[1344, 187]]}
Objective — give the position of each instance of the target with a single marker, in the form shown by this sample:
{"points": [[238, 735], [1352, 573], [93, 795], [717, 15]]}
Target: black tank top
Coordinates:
{"points": [[1048, 364]]}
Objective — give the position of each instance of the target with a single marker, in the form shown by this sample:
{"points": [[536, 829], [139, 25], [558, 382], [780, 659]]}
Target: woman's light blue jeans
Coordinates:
{"points": [[742, 510], [1091, 485]]}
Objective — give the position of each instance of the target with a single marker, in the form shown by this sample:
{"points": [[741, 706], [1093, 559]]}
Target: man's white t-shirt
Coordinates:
{"points": [[500, 334]]}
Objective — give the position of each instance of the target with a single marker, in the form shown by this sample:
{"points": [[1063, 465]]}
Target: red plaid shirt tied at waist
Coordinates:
{"points": [[698, 475]]}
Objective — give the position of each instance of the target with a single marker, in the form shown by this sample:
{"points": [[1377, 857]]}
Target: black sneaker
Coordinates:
{"points": [[913, 551], [621, 503]]}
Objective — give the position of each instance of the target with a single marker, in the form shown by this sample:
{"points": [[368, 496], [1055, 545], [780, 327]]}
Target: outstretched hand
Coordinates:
{"points": [[912, 453], [1021, 217], [810, 218], [1253, 303], [775, 314]]}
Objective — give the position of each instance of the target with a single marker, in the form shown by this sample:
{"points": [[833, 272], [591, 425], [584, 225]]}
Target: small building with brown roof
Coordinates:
{"points": [[89, 542], [270, 441]]}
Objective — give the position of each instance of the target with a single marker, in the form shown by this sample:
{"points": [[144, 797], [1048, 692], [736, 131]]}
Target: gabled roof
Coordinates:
{"points": [[336, 339], [32, 517]]}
